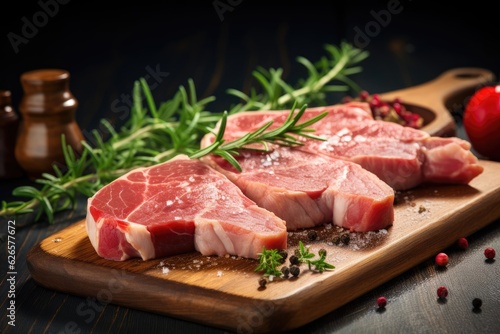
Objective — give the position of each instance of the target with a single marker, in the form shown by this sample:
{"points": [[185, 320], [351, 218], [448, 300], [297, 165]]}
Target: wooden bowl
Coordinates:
{"points": [[434, 99]]}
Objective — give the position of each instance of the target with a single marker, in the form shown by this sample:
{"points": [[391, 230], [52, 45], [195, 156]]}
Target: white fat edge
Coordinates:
{"points": [[340, 204], [201, 243], [223, 237], [140, 239], [91, 226]]}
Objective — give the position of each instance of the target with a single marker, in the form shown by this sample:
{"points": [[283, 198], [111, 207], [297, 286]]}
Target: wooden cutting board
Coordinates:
{"points": [[224, 292], [434, 99]]}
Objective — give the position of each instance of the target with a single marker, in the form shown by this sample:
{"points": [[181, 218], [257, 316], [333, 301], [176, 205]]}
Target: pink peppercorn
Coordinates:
{"points": [[442, 292], [463, 243], [381, 301], [490, 253], [442, 259]]}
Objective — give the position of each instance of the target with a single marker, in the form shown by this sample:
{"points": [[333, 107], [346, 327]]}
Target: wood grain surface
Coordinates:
{"points": [[223, 291]]}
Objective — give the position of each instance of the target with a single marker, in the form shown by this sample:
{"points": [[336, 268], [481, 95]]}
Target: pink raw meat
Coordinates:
{"points": [[176, 207], [401, 156], [307, 190]]}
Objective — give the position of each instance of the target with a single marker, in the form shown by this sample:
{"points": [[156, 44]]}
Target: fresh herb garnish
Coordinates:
{"points": [[269, 261], [305, 256], [156, 133]]}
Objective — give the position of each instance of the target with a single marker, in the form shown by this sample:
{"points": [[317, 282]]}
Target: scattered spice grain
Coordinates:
{"points": [[442, 259], [312, 235], [490, 253], [477, 303], [463, 243], [294, 270], [262, 282], [381, 301], [442, 292]]}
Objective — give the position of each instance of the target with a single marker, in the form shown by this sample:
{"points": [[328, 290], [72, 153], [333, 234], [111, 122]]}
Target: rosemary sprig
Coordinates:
{"points": [[156, 133], [284, 135], [339, 63]]}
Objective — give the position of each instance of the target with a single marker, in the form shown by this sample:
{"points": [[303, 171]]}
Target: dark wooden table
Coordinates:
{"points": [[106, 50]]}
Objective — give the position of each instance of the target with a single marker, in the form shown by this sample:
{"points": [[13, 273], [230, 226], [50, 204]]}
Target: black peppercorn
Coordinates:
{"points": [[345, 238], [294, 270], [336, 240], [312, 235], [477, 303], [284, 255], [262, 282], [294, 259], [285, 271]]}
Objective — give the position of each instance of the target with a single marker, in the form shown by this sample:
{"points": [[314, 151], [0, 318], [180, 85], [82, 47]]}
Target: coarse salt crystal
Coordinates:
{"points": [[359, 138], [165, 270], [343, 132], [219, 273], [346, 138], [170, 202]]}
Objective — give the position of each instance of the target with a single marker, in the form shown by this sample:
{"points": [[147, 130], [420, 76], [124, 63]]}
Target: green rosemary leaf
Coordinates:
{"points": [[229, 157], [238, 94], [310, 67], [25, 191], [47, 208], [149, 98], [265, 84], [207, 150], [222, 128]]}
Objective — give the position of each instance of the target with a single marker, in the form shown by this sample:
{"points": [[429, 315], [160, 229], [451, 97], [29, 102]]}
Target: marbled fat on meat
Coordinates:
{"points": [[175, 207]]}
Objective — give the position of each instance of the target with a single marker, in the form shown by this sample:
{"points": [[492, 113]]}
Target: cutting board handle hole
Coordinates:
{"points": [[467, 75]]}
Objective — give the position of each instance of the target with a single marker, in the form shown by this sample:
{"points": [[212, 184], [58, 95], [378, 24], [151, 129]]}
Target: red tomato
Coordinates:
{"points": [[482, 121]]}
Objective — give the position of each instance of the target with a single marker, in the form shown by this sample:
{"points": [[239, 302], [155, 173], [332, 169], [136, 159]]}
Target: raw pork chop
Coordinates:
{"points": [[175, 207], [401, 156], [307, 189]]}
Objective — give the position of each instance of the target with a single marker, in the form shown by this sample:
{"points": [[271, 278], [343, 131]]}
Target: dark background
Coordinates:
{"points": [[107, 49]]}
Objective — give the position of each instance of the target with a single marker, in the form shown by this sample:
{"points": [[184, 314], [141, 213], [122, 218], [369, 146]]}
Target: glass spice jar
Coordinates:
{"points": [[9, 125], [48, 112]]}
